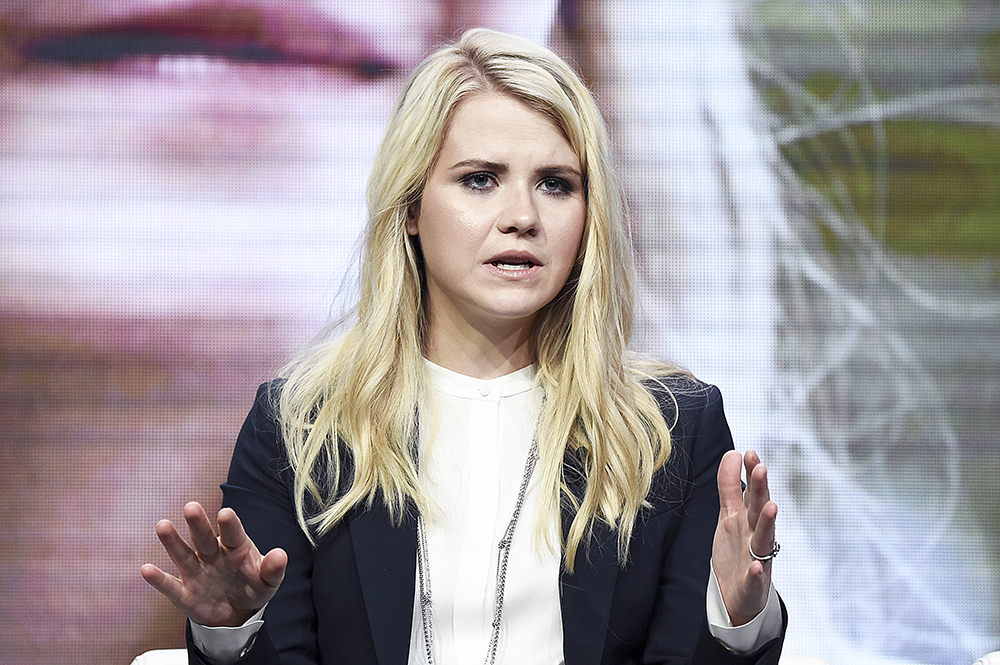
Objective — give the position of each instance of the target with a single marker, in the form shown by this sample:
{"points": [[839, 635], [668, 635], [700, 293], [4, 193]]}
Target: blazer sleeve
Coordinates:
{"points": [[259, 489], [658, 611], [702, 437]]}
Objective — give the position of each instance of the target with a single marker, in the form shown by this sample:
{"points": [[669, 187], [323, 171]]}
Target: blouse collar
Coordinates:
{"points": [[459, 385]]}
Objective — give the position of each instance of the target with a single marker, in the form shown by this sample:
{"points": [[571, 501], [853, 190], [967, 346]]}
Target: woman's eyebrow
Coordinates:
{"points": [[563, 171], [284, 34], [484, 164], [500, 167]]}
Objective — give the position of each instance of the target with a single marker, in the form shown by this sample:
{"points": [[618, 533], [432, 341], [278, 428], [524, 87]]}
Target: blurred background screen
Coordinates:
{"points": [[815, 189]]}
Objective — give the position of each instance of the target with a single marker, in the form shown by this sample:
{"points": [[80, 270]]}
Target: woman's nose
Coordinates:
{"points": [[520, 213]]}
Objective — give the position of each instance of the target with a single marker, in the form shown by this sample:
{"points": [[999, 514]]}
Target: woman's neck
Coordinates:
{"points": [[483, 354]]}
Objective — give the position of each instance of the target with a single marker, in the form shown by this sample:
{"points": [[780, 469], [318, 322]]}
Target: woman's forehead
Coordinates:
{"points": [[482, 102]]}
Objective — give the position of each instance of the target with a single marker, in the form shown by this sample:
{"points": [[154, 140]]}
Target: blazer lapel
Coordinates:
{"points": [[586, 594], [386, 561]]}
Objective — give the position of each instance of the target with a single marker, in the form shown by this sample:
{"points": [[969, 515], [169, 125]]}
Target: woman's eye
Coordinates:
{"points": [[556, 186], [479, 180]]}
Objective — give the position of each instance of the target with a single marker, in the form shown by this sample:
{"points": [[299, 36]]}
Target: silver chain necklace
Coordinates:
{"points": [[424, 572]]}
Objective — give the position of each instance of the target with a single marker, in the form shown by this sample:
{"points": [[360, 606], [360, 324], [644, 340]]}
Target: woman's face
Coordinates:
{"points": [[500, 219]]}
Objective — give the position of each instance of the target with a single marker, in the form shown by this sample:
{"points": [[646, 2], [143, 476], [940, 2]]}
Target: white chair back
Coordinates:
{"points": [[162, 657], [793, 659], [179, 657]]}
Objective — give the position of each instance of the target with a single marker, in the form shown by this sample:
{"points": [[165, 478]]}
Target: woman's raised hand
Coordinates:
{"points": [[746, 521], [223, 580]]}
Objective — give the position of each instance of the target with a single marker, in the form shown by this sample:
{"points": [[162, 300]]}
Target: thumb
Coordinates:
{"points": [[272, 567]]}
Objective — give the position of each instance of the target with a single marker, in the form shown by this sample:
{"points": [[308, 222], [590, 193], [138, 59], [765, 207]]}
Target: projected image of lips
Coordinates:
{"points": [[252, 32], [181, 194]]}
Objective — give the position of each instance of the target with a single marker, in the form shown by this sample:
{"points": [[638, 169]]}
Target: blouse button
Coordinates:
{"points": [[485, 389]]}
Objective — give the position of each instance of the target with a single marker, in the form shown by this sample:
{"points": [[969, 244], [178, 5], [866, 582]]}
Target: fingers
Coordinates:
{"points": [[762, 540], [761, 511], [166, 584], [757, 493], [152, 574], [233, 536], [206, 545], [189, 559], [222, 579], [753, 507], [202, 534], [178, 549], [746, 524], [730, 487], [231, 533], [751, 460]]}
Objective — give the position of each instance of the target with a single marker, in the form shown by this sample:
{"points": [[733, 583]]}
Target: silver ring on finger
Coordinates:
{"points": [[767, 557]]}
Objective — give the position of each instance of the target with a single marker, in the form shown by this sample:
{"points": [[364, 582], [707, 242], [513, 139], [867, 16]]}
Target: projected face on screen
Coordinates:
{"points": [[161, 145], [182, 192]]}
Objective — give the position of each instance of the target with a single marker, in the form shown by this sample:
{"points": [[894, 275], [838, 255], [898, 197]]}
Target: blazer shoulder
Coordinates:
{"points": [[259, 454], [684, 399], [699, 437]]}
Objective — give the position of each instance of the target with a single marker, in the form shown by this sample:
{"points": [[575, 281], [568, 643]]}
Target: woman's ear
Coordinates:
{"points": [[412, 213]]}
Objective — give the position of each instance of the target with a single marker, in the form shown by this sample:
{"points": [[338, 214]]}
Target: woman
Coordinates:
{"points": [[554, 500]]}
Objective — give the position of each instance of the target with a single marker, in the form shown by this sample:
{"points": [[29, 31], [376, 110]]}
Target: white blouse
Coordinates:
{"points": [[474, 440]]}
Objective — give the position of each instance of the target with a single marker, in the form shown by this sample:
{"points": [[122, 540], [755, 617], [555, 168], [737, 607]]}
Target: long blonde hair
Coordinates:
{"points": [[347, 405]]}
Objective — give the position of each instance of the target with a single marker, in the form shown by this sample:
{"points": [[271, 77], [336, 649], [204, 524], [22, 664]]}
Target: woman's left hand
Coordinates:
{"points": [[746, 520]]}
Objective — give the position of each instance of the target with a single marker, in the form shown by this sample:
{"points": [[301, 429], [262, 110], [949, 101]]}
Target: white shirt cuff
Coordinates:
{"points": [[749, 637], [223, 644]]}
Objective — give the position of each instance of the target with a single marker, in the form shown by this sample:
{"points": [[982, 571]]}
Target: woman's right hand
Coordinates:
{"points": [[223, 580]]}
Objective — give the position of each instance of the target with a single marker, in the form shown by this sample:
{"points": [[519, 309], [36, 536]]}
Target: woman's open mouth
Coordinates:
{"points": [[511, 265]]}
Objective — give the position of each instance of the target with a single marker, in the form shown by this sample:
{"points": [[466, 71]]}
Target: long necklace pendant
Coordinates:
{"points": [[503, 554]]}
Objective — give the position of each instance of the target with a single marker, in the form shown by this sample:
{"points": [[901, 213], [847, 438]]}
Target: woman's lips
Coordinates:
{"points": [[514, 264], [285, 34], [516, 272]]}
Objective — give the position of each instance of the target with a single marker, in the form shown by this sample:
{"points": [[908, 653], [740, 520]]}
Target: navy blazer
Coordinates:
{"points": [[350, 600]]}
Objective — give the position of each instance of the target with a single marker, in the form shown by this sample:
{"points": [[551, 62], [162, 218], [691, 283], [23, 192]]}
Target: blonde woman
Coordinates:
{"points": [[477, 471]]}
